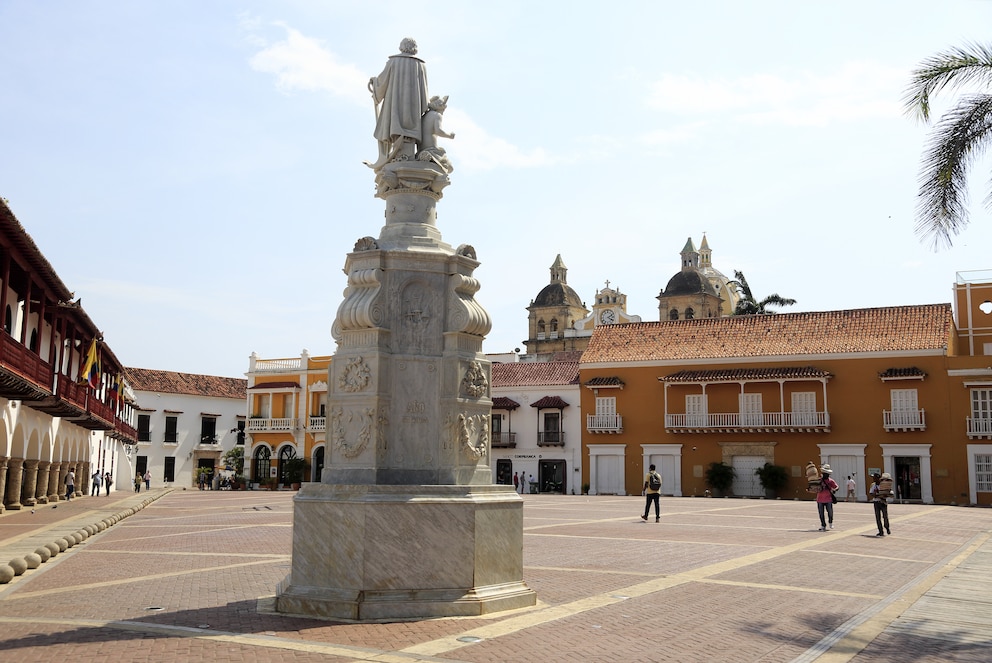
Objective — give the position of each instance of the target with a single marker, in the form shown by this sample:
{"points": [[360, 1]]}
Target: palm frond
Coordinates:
{"points": [[962, 135], [952, 69]]}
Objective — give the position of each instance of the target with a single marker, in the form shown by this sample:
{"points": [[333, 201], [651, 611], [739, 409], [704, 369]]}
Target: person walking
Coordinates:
{"points": [[137, 482], [825, 498], [70, 485], [852, 486], [148, 479], [880, 492], [95, 488], [516, 483], [652, 494], [107, 480]]}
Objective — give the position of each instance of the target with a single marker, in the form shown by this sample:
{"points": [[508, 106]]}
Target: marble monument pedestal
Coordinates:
{"points": [[380, 552]]}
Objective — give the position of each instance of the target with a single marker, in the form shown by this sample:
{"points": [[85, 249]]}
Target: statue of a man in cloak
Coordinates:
{"points": [[400, 96]]}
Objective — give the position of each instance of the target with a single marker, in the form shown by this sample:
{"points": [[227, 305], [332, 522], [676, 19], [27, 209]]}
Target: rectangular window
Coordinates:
{"points": [[170, 469], [695, 409], [144, 428], [552, 428], [208, 430], [983, 473], [981, 403], [905, 408], [497, 423], [804, 408], [750, 408], [241, 431], [171, 429]]}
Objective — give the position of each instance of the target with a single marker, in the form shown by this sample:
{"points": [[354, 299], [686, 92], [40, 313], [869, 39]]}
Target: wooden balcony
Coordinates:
{"points": [[749, 422], [604, 423], [904, 420], [551, 438], [23, 374], [504, 440]]}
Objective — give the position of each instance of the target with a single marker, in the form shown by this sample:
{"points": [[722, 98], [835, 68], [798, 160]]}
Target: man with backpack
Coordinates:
{"points": [[652, 493], [880, 492]]}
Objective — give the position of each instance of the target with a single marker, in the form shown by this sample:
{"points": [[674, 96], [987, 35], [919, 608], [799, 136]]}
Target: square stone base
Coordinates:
{"points": [[372, 552]]}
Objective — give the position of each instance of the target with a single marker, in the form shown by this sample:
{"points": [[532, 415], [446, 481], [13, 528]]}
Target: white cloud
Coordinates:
{"points": [[476, 149], [856, 91], [302, 63]]}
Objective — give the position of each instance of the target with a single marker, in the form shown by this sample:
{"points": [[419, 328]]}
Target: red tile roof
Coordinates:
{"points": [[535, 374], [549, 402], [748, 374], [902, 373], [169, 382], [504, 403], [876, 330]]}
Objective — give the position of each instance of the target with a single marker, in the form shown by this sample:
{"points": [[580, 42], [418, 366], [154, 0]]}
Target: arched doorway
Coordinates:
{"points": [[261, 461], [287, 452], [318, 464]]}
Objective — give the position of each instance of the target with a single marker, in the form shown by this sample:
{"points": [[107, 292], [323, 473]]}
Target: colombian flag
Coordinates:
{"points": [[91, 369], [115, 389]]}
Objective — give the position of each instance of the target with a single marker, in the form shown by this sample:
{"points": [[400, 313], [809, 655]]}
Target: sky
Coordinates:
{"points": [[193, 170]]}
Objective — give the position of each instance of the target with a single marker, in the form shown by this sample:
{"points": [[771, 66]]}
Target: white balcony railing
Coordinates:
{"points": [[260, 424], [980, 427], [317, 423], [902, 420], [730, 420], [604, 423], [278, 365]]}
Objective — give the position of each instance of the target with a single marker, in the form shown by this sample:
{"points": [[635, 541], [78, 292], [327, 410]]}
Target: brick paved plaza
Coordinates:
{"points": [[191, 577]]}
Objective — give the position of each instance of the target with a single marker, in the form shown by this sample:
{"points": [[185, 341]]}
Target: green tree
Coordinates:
{"points": [[748, 305], [960, 136], [235, 458]]}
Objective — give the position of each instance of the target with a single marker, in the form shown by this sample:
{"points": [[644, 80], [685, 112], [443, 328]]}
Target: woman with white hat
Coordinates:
{"points": [[825, 498], [880, 492]]}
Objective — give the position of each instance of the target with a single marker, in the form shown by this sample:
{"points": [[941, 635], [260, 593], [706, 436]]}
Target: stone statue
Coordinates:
{"points": [[400, 97], [430, 129]]}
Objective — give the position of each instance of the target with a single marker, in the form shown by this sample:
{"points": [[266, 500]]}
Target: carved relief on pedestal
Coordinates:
{"points": [[472, 435], [351, 430], [355, 376], [475, 384], [418, 310]]}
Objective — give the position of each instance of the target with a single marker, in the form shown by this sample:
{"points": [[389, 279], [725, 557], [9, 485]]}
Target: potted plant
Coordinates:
{"points": [[773, 478], [720, 477], [293, 470]]}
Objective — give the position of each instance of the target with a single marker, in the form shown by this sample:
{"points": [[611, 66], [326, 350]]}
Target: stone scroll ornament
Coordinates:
{"points": [[475, 384], [473, 435], [351, 431]]}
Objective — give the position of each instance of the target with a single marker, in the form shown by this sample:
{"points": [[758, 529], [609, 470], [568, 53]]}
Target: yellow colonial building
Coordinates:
{"points": [[905, 390], [287, 400]]}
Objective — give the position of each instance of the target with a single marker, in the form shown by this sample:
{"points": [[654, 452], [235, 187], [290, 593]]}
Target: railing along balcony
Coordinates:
{"points": [[260, 424], [737, 421], [20, 361], [551, 438], [317, 423], [604, 423], [278, 365], [506, 440], [904, 420], [980, 427]]}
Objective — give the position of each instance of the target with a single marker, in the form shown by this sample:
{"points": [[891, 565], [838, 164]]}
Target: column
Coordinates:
{"points": [[29, 481], [13, 495], [54, 472], [3, 479], [60, 486], [41, 492], [83, 479]]}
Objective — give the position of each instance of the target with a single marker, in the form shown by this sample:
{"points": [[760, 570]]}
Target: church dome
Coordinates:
{"points": [[688, 283], [557, 294]]}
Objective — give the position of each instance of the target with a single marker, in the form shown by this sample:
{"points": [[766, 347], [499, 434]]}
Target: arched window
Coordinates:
{"points": [[673, 314], [285, 454], [260, 465], [689, 314], [318, 463], [540, 326], [554, 324]]}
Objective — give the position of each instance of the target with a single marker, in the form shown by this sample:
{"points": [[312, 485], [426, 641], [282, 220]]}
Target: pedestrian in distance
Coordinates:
{"points": [[880, 492], [825, 498], [516, 483], [107, 480], [148, 479], [70, 485], [652, 494], [137, 482], [852, 487], [95, 488]]}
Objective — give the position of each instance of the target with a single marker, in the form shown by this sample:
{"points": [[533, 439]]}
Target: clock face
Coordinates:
{"points": [[608, 317]]}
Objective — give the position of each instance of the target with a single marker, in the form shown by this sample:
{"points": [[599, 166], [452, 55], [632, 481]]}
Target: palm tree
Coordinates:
{"points": [[961, 135], [748, 305]]}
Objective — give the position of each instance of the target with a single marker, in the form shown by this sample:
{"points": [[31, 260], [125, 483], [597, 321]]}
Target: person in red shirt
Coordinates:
{"points": [[825, 498]]}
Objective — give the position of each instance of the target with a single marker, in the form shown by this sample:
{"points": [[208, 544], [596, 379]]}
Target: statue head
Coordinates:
{"points": [[408, 46], [438, 104]]}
